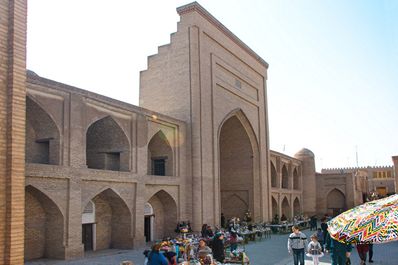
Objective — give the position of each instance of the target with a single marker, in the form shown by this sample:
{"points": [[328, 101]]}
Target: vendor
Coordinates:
{"points": [[203, 250], [218, 247], [156, 257], [283, 217]]}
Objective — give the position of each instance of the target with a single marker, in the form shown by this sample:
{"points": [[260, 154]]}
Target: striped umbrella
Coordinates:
{"points": [[371, 222]]}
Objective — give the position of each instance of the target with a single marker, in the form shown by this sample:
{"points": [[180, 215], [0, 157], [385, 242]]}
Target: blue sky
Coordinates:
{"points": [[332, 80]]}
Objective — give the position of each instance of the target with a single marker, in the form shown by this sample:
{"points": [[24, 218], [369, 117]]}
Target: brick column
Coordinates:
{"points": [[74, 247], [138, 217], [12, 129]]}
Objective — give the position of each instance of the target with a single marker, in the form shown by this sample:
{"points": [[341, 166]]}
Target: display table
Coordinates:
{"points": [[237, 261]]}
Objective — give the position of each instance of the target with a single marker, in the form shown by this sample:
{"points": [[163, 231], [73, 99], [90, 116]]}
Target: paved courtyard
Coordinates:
{"points": [[266, 252]]}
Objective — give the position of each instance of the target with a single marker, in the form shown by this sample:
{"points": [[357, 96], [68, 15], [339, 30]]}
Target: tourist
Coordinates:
{"points": [[313, 223], [155, 257], [315, 249], [218, 247], [362, 252], [339, 252], [371, 253], [320, 236], [324, 227], [296, 245]]}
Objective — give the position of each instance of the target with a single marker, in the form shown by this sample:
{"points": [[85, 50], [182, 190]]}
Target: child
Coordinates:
{"points": [[314, 249]]}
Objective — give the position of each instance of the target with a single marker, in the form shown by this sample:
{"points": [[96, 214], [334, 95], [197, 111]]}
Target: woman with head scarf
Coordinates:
{"points": [[155, 257], [218, 247]]}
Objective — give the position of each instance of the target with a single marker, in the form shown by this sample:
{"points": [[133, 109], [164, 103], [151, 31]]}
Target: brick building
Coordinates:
{"points": [[82, 172]]}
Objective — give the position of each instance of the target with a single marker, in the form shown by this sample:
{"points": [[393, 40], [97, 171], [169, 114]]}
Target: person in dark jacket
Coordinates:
{"points": [[155, 257], [339, 252], [363, 250], [371, 253], [218, 247], [324, 227]]}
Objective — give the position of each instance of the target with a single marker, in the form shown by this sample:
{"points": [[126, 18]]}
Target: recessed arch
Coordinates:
{"points": [[107, 146], [274, 176], [275, 208], [296, 207], [286, 208], [296, 179], [160, 155], [165, 214], [44, 226], [336, 202], [285, 177], [42, 135], [113, 221], [238, 160], [234, 206]]}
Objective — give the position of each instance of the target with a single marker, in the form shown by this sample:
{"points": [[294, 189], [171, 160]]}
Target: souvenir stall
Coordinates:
{"points": [[185, 248]]}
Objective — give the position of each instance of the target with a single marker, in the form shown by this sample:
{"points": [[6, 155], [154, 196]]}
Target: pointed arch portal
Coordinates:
{"points": [[336, 202], [112, 221], [44, 226], [237, 162], [164, 209]]}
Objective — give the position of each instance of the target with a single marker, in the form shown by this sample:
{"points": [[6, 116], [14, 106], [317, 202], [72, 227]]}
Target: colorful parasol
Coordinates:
{"points": [[371, 222]]}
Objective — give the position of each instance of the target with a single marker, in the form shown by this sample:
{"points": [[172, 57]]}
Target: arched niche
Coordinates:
{"points": [[107, 146], [113, 221], [285, 177], [296, 180], [165, 214], [44, 226], [42, 137], [274, 176], [160, 156]]}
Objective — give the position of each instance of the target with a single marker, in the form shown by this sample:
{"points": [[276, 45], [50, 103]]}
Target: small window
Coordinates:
{"points": [[159, 167], [43, 151], [112, 161]]}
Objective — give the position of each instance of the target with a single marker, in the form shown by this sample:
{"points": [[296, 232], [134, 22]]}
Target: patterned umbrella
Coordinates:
{"points": [[371, 222]]}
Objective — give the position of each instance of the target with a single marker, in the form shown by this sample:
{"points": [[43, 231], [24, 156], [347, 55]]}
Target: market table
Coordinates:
{"points": [[237, 261]]}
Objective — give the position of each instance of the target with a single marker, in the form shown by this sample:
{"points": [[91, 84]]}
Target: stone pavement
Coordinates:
{"points": [[266, 252]]}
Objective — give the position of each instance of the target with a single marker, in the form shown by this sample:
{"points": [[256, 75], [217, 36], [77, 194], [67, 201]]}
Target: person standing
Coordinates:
{"points": [[222, 220], [362, 252], [155, 257], [315, 249], [324, 227], [339, 252], [371, 253], [297, 244], [218, 247]]}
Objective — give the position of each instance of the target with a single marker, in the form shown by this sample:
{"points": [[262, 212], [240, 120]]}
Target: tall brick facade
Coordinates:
{"points": [[12, 129]]}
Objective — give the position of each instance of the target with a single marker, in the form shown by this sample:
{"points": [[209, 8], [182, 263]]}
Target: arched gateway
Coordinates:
{"points": [[238, 158]]}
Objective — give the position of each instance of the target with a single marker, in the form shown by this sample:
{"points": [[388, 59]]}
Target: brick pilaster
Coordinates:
{"points": [[12, 134]]}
